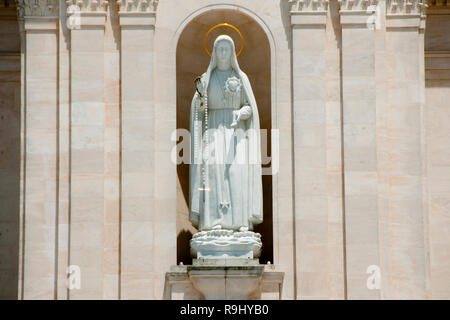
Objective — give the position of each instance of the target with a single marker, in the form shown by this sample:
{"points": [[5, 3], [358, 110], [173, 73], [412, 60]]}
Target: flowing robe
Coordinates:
{"points": [[225, 170]]}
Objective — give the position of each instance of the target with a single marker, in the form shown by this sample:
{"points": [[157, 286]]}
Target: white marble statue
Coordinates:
{"points": [[225, 170]]}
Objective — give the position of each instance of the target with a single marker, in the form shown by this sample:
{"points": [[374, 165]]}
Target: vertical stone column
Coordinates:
{"points": [[424, 149], [382, 140], [308, 19], [359, 140], [87, 116], [165, 174], [112, 151], [336, 264], [137, 20], [40, 25], [406, 278]]}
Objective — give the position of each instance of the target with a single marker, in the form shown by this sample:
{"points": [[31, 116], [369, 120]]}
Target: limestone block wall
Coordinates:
{"points": [[358, 94], [359, 146]]}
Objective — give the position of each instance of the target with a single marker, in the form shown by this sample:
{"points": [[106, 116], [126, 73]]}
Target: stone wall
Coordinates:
{"points": [[358, 94]]}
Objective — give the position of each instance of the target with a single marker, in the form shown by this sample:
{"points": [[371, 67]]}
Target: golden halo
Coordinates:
{"points": [[224, 25]]}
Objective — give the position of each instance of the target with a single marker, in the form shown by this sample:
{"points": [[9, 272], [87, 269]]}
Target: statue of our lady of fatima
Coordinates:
{"points": [[225, 170]]}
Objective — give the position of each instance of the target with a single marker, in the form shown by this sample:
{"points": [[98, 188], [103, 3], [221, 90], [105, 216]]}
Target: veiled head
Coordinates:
{"points": [[223, 57], [223, 52]]}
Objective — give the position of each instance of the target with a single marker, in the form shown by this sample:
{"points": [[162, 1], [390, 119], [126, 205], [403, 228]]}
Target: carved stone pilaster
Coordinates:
{"points": [[37, 8], [308, 12], [89, 5], [358, 12], [38, 14], [137, 5], [308, 5], [357, 5], [403, 13], [137, 20], [90, 13], [137, 13], [403, 7]]}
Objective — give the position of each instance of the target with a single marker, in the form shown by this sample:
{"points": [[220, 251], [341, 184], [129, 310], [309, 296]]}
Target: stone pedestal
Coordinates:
{"points": [[227, 282], [223, 279], [225, 267]]}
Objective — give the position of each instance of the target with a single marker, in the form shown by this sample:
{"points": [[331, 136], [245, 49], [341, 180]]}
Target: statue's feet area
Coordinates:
{"points": [[223, 243]]}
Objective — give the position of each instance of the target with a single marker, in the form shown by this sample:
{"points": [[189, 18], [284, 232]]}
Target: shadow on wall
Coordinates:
{"points": [[192, 61], [183, 247], [9, 153]]}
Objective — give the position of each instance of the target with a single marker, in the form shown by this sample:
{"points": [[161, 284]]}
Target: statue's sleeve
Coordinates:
{"points": [[246, 111]]}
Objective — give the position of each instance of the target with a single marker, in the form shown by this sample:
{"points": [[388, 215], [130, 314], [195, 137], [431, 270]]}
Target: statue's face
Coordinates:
{"points": [[223, 52]]}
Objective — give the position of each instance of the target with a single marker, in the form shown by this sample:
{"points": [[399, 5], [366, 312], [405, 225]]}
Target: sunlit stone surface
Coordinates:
{"points": [[354, 97]]}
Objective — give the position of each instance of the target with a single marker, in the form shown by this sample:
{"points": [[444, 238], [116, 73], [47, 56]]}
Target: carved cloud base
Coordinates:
{"points": [[216, 244]]}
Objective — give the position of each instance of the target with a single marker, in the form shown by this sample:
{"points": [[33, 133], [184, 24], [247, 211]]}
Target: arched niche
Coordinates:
{"points": [[192, 61]]}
